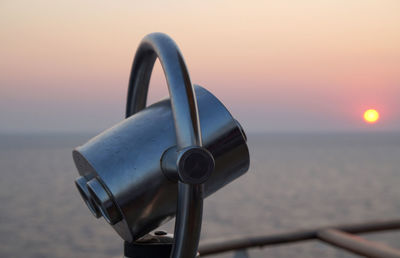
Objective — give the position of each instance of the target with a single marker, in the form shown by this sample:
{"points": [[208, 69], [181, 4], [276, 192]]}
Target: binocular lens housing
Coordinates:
{"points": [[124, 171], [80, 183]]}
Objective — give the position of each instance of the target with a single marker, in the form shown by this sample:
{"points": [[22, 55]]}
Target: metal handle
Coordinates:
{"points": [[186, 119]]}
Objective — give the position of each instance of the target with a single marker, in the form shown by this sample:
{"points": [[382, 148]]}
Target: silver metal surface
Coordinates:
{"points": [[122, 173], [125, 159]]}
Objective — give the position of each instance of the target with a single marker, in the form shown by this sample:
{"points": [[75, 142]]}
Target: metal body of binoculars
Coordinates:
{"points": [[162, 160], [121, 173]]}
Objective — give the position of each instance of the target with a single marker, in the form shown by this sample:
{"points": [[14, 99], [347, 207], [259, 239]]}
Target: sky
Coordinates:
{"points": [[279, 66]]}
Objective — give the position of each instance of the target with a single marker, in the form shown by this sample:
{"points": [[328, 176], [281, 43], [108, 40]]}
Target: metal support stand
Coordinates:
{"points": [[158, 244]]}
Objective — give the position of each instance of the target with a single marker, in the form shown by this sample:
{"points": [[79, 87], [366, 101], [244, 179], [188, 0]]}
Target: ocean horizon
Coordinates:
{"points": [[296, 181]]}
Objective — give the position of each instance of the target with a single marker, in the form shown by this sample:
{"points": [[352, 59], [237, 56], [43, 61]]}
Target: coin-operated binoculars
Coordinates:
{"points": [[162, 160]]}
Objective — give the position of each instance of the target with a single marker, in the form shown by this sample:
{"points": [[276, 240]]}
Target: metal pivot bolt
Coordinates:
{"points": [[192, 165]]}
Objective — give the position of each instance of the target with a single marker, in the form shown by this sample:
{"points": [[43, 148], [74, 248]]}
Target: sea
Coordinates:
{"points": [[295, 181]]}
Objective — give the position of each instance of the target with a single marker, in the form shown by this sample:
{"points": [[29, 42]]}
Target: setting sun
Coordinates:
{"points": [[371, 116]]}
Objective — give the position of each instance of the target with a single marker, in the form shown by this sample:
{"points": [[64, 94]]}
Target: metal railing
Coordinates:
{"points": [[341, 236]]}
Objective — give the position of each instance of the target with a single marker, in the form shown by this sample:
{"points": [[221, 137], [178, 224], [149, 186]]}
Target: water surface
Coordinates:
{"points": [[295, 181]]}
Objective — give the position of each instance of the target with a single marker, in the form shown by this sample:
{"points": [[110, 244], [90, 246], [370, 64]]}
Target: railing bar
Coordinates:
{"points": [[225, 245], [357, 244]]}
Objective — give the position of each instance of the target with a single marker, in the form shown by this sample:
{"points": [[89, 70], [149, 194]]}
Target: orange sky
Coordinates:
{"points": [[282, 66]]}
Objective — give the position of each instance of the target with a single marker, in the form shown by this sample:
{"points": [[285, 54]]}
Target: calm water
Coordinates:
{"points": [[295, 181]]}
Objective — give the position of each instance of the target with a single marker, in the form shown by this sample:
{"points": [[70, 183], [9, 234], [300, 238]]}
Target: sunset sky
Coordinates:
{"points": [[312, 66]]}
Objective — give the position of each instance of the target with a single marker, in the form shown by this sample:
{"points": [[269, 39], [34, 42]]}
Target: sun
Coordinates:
{"points": [[371, 116]]}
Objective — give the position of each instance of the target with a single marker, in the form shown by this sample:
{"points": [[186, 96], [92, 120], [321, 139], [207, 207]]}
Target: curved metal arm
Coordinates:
{"points": [[188, 134]]}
